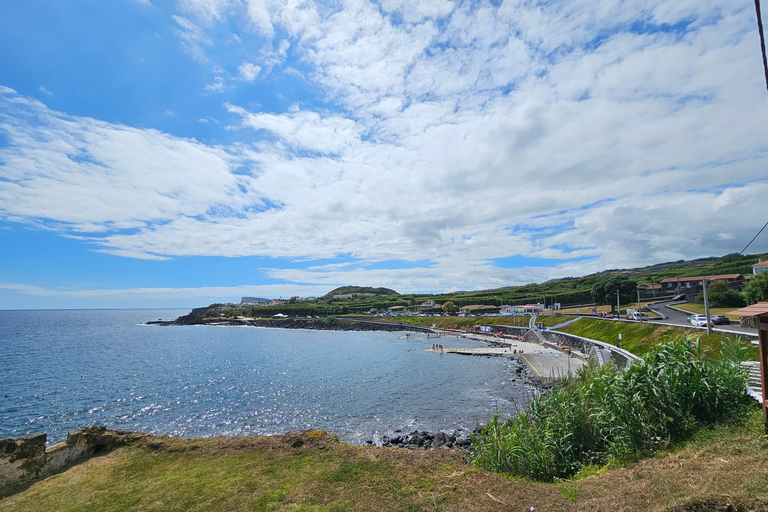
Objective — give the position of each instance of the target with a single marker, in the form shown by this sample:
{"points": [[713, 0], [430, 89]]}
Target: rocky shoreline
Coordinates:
{"points": [[295, 323], [426, 440]]}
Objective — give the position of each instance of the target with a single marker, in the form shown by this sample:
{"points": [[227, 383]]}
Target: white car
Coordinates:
{"points": [[698, 320]]}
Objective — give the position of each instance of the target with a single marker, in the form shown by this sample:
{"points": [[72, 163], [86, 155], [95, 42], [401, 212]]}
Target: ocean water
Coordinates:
{"points": [[63, 370]]}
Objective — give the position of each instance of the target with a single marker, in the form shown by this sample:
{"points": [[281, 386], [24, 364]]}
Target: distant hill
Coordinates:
{"points": [[728, 264], [359, 290], [253, 299]]}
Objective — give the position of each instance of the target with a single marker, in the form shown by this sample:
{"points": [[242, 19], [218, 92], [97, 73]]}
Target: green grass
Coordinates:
{"points": [[455, 322], [321, 475], [638, 338], [199, 477]]}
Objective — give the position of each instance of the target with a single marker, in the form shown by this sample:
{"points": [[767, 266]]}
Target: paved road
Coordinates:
{"points": [[552, 365], [675, 317]]}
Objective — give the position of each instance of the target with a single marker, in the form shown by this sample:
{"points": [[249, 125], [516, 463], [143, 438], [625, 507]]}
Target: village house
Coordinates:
{"points": [[674, 284], [530, 309], [759, 268], [430, 304]]}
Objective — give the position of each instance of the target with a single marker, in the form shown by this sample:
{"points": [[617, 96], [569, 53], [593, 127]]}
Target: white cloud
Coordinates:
{"points": [[89, 176], [193, 38], [248, 71], [217, 85], [303, 130], [45, 91], [205, 11], [452, 134], [21, 295]]}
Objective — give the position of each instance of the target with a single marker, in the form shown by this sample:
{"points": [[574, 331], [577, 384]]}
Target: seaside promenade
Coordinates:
{"points": [[546, 363]]}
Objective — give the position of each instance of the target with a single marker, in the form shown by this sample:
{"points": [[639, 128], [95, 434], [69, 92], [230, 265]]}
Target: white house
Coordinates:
{"points": [[759, 268]]}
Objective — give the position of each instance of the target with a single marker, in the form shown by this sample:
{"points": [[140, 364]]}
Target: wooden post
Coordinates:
{"points": [[760, 312], [762, 331]]}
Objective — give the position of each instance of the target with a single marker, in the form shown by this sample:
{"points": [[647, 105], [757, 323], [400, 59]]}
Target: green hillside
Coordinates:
{"points": [[359, 291], [566, 290]]}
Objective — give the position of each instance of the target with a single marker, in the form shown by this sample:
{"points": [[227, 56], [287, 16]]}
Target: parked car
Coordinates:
{"points": [[719, 320], [678, 297], [698, 320]]}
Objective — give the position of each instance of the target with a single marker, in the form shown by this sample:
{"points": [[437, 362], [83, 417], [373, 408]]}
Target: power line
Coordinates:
{"points": [[762, 40], [765, 69], [753, 239]]}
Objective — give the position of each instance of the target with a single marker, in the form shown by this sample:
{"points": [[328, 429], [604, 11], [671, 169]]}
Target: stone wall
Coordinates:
{"points": [[25, 460], [510, 330], [748, 322]]}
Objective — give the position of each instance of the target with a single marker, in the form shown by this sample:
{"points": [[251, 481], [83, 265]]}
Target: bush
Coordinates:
{"points": [[756, 289], [721, 296], [330, 320], [611, 415]]}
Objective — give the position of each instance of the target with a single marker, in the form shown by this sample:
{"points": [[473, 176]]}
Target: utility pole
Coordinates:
{"points": [[618, 304], [639, 307], [706, 304]]}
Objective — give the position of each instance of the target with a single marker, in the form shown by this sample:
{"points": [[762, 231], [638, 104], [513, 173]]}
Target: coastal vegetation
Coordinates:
{"points": [[459, 323], [639, 338], [724, 467], [609, 416]]}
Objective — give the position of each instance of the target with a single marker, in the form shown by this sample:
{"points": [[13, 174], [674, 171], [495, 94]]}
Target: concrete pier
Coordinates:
{"points": [[546, 362]]}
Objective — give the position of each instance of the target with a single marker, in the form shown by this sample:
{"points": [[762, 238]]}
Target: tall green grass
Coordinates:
{"points": [[611, 415]]}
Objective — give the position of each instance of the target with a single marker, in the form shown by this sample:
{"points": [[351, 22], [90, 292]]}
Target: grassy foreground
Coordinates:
{"points": [[313, 472]]}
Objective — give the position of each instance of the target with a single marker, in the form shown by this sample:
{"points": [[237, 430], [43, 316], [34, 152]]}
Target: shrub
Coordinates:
{"points": [[611, 415], [721, 296], [756, 289], [330, 320]]}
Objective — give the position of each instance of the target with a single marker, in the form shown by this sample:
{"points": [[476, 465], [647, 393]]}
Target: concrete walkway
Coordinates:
{"points": [[546, 362]]}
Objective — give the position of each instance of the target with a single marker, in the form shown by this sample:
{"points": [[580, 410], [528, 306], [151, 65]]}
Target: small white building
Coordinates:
{"points": [[530, 309], [430, 304], [508, 310], [759, 268]]}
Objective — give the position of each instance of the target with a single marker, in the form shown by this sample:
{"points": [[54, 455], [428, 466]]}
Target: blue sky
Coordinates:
{"points": [[175, 153]]}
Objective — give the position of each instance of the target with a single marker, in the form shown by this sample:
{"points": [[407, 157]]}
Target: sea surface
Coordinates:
{"points": [[66, 369]]}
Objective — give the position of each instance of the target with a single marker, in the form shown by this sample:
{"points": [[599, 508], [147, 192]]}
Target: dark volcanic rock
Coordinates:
{"points": [[196, 318], [426, 440]]}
